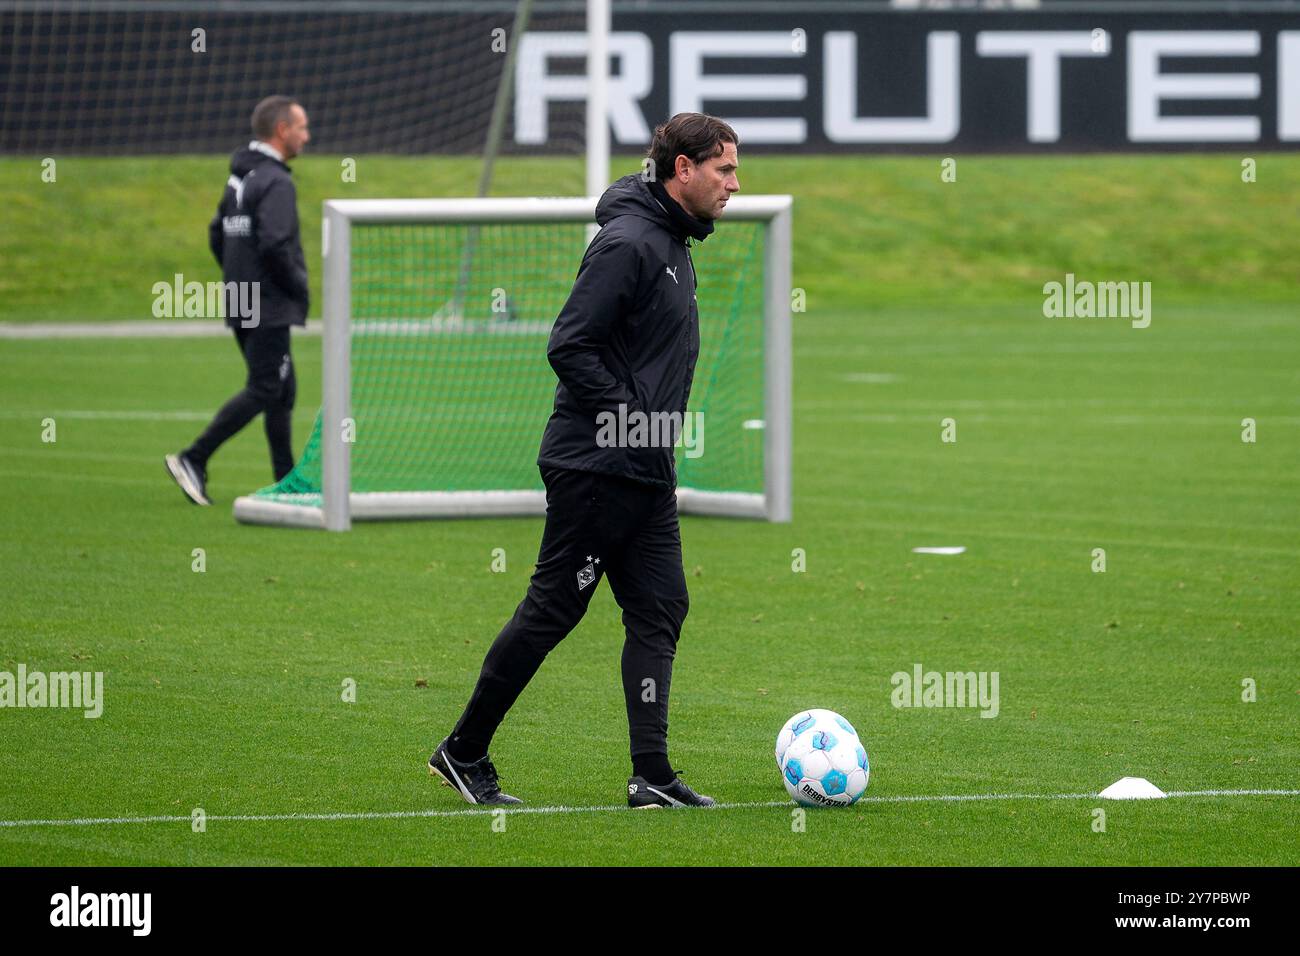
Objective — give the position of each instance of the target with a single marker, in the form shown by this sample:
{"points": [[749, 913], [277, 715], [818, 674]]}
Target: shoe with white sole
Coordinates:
{"points": [[476, 782], [642, 795], [192, 479]]}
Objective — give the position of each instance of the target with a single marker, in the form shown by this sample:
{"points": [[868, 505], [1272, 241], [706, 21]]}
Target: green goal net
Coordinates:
{"points": [[449, 388]]}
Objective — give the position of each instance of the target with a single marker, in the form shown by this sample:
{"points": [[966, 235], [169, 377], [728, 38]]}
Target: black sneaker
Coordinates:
{"points": [[642, 795], [476, 782], [192, 479]]}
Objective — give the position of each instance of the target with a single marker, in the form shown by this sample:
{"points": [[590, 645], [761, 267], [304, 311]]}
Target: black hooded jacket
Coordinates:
{"points": [[629, 335], [254, 236]]}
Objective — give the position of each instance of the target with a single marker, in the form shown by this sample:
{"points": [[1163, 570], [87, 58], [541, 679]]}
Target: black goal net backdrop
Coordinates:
{"points": [[150, 78]]}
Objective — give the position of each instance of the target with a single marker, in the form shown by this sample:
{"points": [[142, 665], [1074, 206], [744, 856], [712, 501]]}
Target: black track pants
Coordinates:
{"points": [[270, 390], [596, 526]]}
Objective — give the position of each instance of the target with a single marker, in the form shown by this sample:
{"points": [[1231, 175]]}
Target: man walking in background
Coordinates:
{"points": [[625, 343], [255, 238]]}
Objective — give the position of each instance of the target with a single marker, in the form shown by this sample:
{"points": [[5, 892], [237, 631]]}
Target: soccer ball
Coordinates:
{"points": [[822, 760], [804, 721]]}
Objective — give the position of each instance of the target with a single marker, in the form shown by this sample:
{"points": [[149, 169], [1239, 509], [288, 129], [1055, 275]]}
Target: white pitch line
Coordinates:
{"points": [[130, 329], [422, 814], [127, 415], [1232, 793]]}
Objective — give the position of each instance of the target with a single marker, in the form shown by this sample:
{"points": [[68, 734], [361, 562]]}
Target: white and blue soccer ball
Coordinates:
{"points": [[822, 760]]}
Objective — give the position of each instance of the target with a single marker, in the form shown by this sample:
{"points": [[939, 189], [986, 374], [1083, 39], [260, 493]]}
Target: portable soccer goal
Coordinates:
{"points": [[436, 385]]}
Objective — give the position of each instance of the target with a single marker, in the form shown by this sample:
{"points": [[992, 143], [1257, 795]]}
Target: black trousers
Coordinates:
{"points": [[596, 526], [269, 390]]}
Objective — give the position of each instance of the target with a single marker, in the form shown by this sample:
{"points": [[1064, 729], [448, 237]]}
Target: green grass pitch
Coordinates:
{"points": [[223, 689]]}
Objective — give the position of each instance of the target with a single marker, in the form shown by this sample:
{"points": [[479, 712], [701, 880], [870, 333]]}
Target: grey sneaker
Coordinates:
{"points": [[192, 479]]}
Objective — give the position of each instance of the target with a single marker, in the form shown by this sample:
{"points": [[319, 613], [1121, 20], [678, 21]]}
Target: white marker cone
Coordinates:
{"points": [[1132, 788], [959, 549]]}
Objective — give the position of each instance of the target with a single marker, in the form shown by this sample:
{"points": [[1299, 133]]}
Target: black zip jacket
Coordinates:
{"points": [[629, 335], [254, 236]]}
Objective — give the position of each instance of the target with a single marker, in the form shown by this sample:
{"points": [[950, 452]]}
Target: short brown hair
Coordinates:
{"points": [[269, 113], [697, 136]]}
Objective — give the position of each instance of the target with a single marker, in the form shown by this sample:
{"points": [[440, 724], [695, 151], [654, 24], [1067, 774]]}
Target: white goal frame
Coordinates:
{"points": [[340, 506]]}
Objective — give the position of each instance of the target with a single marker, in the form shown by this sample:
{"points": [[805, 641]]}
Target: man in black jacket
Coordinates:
{"points": [[624, 348], [255, 239]]}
